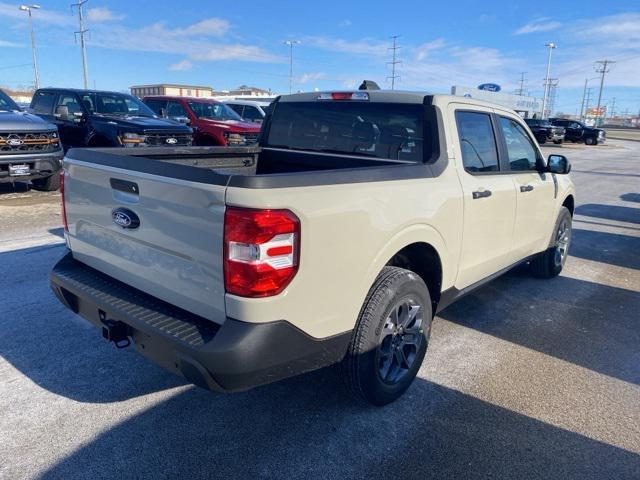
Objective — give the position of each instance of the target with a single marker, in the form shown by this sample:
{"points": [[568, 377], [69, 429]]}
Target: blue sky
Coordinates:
{"points": [[225, 44]]}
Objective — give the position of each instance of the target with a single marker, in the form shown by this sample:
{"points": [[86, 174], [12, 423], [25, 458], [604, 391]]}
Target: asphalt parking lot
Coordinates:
{"points": [[523, 379]]}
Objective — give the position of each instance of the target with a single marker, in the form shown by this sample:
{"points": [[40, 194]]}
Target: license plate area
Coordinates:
{"points": [[19, 170]]}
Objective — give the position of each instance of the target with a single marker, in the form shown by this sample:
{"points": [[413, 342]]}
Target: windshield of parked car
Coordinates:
{"points": [[382, 130], [6, 103], [106, 103], [215, 111]]}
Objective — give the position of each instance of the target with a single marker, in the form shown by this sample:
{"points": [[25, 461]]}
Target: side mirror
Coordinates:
{"points": [[62, 111], [558, 164], [183, 120]]}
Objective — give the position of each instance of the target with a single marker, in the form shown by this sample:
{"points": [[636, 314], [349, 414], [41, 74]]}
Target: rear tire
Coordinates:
{"points": [[390, 338], [549, 263], [558, 142], [542, 140], [48, 184]]}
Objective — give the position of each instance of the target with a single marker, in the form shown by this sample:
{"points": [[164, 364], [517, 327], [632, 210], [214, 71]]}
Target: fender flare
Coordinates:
{"points": [[417, 233]]}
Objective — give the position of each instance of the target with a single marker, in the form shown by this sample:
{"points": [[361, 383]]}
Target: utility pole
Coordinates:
{"points": [[602, 69], [28, 8], [584, 96], [551, 46], [522, 80], [83, 46], [551, 100], [394, 61], [613, 108], [291, 43], [586, 103]]}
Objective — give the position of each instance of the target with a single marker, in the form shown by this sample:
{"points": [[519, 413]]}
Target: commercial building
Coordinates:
{"points": [[171, 89], [527, 107]]}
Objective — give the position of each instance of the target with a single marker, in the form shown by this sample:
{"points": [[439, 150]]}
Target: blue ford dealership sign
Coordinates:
{"points": [[491, 87]]}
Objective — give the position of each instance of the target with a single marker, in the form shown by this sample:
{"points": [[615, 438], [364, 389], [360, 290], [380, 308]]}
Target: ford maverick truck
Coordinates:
{"points": [[358, 216]]}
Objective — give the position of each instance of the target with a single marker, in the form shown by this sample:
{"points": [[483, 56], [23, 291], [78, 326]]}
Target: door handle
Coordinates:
{"points": [[481, 194], [526, 188]]}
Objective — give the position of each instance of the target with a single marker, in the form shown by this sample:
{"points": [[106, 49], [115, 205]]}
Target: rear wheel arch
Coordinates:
{"points": [[424, 260]]}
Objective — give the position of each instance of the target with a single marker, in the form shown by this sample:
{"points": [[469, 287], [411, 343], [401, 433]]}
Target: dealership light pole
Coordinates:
{"points": [[551, 47], [83, 46], [28, 8], [291, 43]]}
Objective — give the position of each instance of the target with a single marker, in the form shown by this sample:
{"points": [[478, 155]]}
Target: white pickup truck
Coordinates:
{"points": [[336, 240]]}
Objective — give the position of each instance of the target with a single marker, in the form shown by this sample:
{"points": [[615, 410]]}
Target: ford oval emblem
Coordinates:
{"points": [[125, 218], [14, 142], [171, 141], [490, 87]]}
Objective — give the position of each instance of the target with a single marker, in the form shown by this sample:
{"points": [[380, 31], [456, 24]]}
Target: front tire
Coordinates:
{"points": [[390, 339], [591, 141], [542, 140], [549, 263], [48, 184]]}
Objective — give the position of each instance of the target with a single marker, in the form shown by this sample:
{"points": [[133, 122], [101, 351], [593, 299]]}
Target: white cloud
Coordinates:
{"points": [[358, 47], [102, 14], [187, 41], [422, 51], [10, 10], [539, 25], [5, 43], [311, 77], [181, 66], [215, 27]]}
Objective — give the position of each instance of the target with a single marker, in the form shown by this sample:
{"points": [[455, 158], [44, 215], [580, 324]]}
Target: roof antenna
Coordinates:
{"points": [[368, 85]]}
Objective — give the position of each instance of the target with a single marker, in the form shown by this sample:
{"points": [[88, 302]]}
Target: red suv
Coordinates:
{"points": [[213, 122]]}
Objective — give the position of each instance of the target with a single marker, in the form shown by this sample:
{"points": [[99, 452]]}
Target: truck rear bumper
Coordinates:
{"points": [[226, 357]]}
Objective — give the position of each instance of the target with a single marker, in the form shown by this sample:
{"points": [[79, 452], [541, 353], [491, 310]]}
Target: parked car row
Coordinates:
{"points": [[557, 130]]}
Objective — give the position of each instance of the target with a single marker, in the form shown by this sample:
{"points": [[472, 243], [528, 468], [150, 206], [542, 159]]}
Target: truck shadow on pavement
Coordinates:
{"points": [[304, 428], [610, 212], [630, 197], [59, 351], [18, 187]]}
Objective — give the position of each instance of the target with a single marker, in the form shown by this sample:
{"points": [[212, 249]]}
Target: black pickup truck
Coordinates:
{"points": [[579, 132], [543, 130], [91, 118], [30, 149]]}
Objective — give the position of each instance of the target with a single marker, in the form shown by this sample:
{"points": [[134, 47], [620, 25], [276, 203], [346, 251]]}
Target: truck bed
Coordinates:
{"points": [[234, 166]]}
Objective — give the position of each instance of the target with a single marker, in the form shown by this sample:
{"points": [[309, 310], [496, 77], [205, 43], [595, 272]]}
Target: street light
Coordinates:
{"points": [[28, 8], [551, 47], [291, 43]]}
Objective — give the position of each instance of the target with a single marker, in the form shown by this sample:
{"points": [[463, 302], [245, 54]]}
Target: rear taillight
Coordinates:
{"points": [[261, 251], [63, 207]]}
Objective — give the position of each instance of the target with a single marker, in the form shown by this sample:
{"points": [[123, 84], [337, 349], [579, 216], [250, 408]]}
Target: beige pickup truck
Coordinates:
{"points": [[336, 240]]}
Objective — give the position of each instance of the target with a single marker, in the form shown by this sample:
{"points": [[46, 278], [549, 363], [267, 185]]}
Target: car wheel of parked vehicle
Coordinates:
{"points": [[542, 140], [48, 184], [549, 263], [390, 338], [591, 141], [558, 142]]}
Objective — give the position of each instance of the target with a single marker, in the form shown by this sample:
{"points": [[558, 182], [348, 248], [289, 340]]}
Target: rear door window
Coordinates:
{"points": [[236, 108], [43, 103], [477, 142]]}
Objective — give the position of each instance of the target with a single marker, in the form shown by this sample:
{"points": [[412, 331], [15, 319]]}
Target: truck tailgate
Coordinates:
{"points": [[174, 254]]}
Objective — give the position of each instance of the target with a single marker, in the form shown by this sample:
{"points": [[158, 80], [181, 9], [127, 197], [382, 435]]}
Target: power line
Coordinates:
{"points": [[394, 61], [83, 46], [602, 69]]}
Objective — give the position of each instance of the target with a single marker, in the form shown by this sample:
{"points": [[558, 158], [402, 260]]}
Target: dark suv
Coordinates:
{"points": [[543, 130], [90, 118], [30, 149], [579, 132]]}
